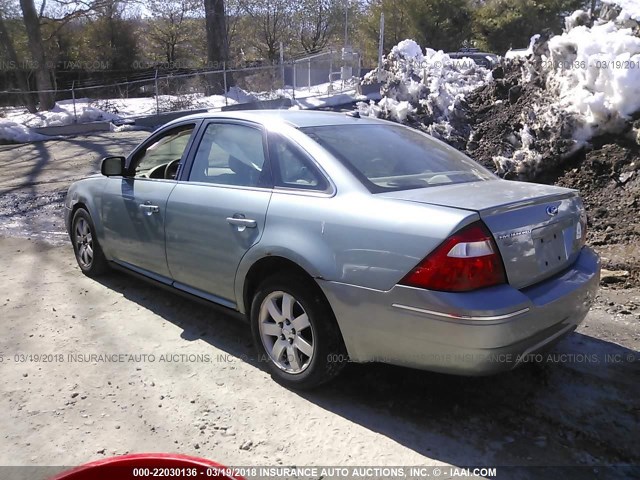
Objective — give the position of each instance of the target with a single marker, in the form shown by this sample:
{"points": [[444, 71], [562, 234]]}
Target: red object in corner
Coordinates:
{"points": [[139, 466]]}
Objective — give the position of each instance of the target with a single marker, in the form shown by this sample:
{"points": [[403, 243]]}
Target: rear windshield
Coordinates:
{"points": [[392, 157]]}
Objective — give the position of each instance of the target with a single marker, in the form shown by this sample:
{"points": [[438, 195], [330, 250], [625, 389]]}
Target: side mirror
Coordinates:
{"points": [[112, 166]]}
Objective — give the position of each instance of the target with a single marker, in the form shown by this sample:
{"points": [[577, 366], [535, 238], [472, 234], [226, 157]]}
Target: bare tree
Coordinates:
{"points": [[317, 20], [233, 13], [109, 37], [272, 20], [170, 26], [58, 13], [36, 47], [217, 42], [23, 82], [64, 12]]}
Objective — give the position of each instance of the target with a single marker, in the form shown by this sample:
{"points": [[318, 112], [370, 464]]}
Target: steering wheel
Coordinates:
{"points": [[157, 172], [171, 169]]}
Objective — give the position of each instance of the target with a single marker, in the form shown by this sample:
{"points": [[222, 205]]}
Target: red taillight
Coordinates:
{"points": [[467, 260]]}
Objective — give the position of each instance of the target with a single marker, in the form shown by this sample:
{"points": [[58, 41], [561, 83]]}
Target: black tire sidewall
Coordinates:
{"points": [[329, 346]]}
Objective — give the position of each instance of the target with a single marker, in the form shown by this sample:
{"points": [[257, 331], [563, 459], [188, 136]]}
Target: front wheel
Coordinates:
{"points": [[295, 332], [89, 255]]}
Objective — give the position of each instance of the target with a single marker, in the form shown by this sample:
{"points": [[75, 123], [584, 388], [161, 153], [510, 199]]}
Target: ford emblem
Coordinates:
{"points": [[552, 210]]}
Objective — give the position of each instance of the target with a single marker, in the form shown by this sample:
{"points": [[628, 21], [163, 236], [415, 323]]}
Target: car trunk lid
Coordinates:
{"points": [[537, 228]]}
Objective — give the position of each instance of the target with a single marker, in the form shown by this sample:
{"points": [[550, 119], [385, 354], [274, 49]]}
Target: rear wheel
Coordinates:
{"points": [[89, 255], [295, 332]]}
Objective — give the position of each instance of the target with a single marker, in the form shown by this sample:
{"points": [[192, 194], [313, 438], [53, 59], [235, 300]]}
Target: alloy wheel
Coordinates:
{"points": [[286, 332], [84, 243]]}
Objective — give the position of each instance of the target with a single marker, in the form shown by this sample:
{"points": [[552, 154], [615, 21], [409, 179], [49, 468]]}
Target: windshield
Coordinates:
{"points": [[389, 157]]}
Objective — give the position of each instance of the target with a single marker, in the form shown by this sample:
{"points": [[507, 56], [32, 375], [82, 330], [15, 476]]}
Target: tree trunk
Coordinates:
{"points": [[43, 74], [23, 82], [217, 44]]}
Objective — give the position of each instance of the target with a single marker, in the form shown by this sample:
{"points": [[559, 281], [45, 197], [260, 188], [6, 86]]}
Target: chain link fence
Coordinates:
{"points": [[324, 71], [155, 91]]}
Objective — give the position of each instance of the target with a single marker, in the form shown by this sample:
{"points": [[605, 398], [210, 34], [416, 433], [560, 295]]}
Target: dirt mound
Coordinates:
{"points": [[497, 115], [609, 182], [606, 173]]}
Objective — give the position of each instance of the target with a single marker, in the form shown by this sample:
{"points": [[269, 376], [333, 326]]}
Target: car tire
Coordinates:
{"points": [[304, 358], [89, 255]]}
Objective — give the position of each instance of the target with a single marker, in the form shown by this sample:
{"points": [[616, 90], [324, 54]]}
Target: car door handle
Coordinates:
{"points": [[242, 222], [149, 209]]}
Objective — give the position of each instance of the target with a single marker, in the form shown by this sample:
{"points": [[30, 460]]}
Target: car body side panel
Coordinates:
{"points": [[136, 234], [88, 192], [203, 248], [355, 239]]}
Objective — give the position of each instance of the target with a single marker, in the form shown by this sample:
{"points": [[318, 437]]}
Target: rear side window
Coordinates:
{"points": [[392, 157], [292, 168], [230, 154]]}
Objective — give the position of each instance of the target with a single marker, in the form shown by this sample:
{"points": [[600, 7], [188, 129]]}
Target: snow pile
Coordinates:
{"points": [[429, 86], [577, 18], [630, 9], [604, 86], [16, 132], [591, 86], [531, 111], [407, 49], [18, 124], [63, 114]]}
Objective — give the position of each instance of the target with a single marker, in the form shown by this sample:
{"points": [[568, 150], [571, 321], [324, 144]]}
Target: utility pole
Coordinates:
{"points": [[346, 72], [346, 23], [380, 45]]}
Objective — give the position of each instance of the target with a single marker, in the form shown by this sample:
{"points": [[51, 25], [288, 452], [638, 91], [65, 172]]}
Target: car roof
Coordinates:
{"points": [[296, 118]]}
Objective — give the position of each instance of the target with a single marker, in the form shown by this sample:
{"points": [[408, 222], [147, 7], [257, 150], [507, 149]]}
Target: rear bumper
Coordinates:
{"points": [[473, 333]]}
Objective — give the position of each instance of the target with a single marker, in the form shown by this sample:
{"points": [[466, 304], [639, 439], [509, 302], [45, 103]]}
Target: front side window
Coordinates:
{"points": [[393, 157], [161, 158], [230, 154]]}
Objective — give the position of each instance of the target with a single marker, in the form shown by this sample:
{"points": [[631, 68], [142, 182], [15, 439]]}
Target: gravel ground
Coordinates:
{"points": [[188, 382]]}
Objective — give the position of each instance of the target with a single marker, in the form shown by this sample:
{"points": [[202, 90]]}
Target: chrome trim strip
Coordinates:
{"points": [[205, 295], [142, 271], [462, 317], [306, 193]]}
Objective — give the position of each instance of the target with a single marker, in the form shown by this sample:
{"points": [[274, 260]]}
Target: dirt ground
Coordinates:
{"points": [[93, 368]]}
